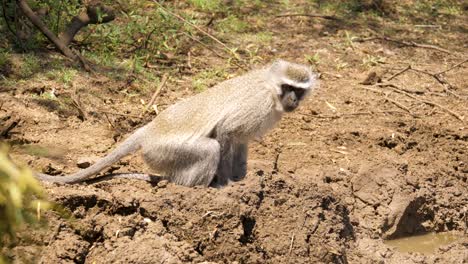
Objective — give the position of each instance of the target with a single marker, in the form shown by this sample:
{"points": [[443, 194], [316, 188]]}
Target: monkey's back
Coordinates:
{"points": [[244, 106]]}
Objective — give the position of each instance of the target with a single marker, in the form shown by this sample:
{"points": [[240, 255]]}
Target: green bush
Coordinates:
{"points": [[21, 199]]}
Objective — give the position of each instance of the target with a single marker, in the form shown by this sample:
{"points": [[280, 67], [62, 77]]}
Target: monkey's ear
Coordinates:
{"points": [[275, 74], [277, 66]]}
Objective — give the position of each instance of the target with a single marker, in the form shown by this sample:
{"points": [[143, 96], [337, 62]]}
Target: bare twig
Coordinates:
{"points": [[291, 243], [206, 46], [400, 72], [400, 106], [143, 44], [120, 114], [214, 51], [437, 76], [197, 28], [12, 124], [308, 15], [43, 28], [315, 226], [94, 14], [76, 102], [358, 113], [405, 43], [386, 84], [16, 31], [7, 22], [459, 117], [189, 59], [109, 121], [428, 102], [276, 162], [59, 16], [373, 90], [447, 86], [451, 68], [339, 151], [422, 71], [429, 26], [46, 31], [156, 93], [148, 37]]}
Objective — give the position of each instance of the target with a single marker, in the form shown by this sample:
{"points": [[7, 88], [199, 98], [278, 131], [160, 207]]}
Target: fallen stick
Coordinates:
{"points": [[428, 102], [12, 124], [196, 27], [309, 15], [206, 46], [156, 93], [447, 86], [120, 114], [291, 244], [357, 114], [76, 102], [400, 72], [386, 84], [451, 68], [401, 106], [406, 43]]}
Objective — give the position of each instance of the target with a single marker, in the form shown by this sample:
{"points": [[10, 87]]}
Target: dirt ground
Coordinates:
{"points": [[361, 161]]}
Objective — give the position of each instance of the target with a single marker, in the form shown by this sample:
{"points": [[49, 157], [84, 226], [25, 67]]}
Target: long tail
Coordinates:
{"points": [[130, 145], [134, 176]]}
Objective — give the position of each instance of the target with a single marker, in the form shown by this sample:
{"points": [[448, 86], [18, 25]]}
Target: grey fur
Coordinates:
{"points": [[203, 140]]}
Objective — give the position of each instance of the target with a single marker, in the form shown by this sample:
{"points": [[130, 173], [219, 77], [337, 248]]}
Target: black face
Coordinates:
{"points": [[290, 97]]}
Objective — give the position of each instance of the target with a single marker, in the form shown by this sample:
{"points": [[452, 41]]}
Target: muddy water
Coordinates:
{"points": [[425, 244]]}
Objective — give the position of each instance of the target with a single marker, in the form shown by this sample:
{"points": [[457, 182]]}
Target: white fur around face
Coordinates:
{"points": [[304, 85], [280, 73]]}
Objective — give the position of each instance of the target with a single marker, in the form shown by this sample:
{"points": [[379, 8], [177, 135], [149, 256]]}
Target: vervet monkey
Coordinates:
{"points": [[203, 140]]}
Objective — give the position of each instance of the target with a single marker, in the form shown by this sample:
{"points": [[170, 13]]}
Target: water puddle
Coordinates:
{"points": [[425, 244]]}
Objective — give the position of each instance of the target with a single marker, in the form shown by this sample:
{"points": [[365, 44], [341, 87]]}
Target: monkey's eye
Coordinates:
{"points": [[299, 92], [286, 88]]}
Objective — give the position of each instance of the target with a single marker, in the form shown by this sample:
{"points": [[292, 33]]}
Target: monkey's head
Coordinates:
{"points": [[292, 82]]}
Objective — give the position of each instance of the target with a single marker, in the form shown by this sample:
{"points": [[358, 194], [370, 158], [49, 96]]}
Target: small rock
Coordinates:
{"points": [[162, 184], [372, 78], [49, 169], [83, 163]]}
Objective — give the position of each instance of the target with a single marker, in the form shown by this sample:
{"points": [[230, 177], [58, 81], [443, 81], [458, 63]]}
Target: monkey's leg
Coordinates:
{"points": [[224, 171], [186, 163], [239, 165]]}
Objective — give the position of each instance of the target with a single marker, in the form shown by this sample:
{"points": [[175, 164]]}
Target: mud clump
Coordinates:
{"points": [[267, 218], [249, 223]]}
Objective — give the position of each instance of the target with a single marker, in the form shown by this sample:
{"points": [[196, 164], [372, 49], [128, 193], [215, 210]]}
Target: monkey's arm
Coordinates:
{"points": [[239, 164], [224, 171], [130, 145]]}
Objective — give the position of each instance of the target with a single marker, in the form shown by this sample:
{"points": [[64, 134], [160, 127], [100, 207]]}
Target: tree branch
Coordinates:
{"points": [[94, 14], [23, 5]]}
